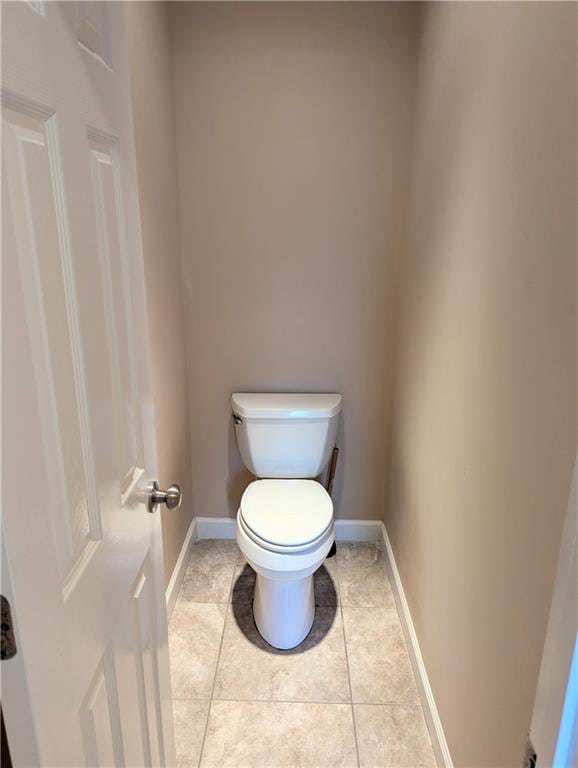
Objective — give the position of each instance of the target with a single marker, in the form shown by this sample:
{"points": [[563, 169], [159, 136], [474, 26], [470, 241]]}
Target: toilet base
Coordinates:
{"points": [[284, 610]]}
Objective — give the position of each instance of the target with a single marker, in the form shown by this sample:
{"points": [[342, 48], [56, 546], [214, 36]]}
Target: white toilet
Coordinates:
{"points": [[285, 520]]}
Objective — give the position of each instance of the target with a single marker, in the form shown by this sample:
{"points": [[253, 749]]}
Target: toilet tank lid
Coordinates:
{"points": [[260, 405]]}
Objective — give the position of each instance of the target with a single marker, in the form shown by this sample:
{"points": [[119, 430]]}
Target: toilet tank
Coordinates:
{"points": [[289, 435]]}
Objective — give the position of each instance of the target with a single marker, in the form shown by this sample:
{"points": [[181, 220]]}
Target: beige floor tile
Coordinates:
{"points": [[240, 556], [190, 718], [243, 584], [194, 639], [279, 735], [363, 579], [325, 584], [210, 571], [392, 737], [379, 665], [249, 668]]}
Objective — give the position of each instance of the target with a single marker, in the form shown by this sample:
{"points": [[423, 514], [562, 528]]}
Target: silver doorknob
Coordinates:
{"points": [[172, 497]]}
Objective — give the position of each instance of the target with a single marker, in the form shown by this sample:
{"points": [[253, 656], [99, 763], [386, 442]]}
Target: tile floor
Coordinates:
{"points": [[345, 697]]}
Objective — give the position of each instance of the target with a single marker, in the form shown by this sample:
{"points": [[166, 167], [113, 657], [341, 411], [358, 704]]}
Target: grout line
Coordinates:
{"points": [[212, 602], [234, 570], [389, 705], [281, 701], [284, 701], [317, 605], [340, 606], [190, 698]]}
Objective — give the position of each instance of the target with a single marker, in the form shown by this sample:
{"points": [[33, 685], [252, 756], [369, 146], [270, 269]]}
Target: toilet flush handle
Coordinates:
{"points": [[172, 497]]}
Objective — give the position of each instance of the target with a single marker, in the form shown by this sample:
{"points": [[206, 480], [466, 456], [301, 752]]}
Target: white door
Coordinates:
{"points": [[82, 560]]}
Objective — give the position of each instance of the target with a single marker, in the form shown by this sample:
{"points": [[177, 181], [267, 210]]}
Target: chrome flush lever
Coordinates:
{"points": [[172, 497]]}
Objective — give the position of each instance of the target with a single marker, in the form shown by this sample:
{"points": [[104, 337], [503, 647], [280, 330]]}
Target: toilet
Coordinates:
{"points": [[285, 520]]}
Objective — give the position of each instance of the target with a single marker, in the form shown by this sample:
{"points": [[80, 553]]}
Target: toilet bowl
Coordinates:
{"points": [[285, 519], [285, 530]]}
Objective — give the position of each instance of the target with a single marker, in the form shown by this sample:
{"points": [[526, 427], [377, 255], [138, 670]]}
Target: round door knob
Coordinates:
{"points": [[172, 497]]}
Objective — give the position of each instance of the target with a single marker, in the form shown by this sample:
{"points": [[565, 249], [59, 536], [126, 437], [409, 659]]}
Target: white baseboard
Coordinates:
{"points": [[439, 743], [216, 527], [345, 530], [358, 530], [180, 567]]}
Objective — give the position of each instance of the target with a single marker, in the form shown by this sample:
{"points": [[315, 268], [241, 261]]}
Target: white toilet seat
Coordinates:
{"points": [[270, 547], [286, 515], [283, 564]]}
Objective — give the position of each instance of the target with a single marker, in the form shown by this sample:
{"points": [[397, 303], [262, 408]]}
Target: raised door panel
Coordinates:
{"points": [[146, 664], [110, 226], [100, 719], [35, 190]]}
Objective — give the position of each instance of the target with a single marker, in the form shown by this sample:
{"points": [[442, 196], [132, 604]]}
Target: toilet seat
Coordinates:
{"points": [[269, 547], [286, 515]]}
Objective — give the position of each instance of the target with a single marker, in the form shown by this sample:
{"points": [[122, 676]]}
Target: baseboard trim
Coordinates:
{"points": [[180, 567], [345, 530], [434, 723], [358, 530], [216, 527]]}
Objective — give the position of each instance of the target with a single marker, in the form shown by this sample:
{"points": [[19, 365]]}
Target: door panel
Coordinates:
{"points": [[147, 673], [106, 190], [32, 170], [100, 719], [83, 555]]}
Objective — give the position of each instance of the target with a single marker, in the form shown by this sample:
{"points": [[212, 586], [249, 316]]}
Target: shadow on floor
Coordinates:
{"points": [[325, 610]]}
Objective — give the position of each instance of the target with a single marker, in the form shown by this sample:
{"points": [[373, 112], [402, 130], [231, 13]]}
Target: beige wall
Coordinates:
{"points": [[147, 28], [292, 134], [483, 435]]}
